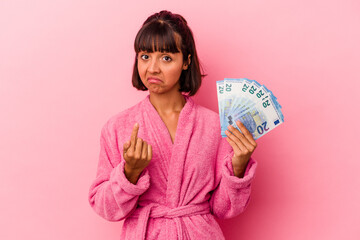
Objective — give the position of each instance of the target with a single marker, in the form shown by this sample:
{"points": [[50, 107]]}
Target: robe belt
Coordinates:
{"points": [[155, 210]]}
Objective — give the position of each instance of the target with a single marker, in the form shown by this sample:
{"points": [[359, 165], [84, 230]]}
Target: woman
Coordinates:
{"points": [[164, 167]]}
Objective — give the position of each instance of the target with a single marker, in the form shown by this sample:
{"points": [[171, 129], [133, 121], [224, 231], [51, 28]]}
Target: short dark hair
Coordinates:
{"points": [[158, 33]]}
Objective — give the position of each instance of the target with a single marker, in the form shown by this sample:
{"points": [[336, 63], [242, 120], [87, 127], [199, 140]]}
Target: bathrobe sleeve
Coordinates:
{"points": [[232, 193], [111, 195]]}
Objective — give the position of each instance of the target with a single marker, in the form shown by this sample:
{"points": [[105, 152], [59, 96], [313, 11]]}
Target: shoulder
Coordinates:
{"points": [[122, 118], [208, 117], [203, 111], [206, 113], [207, 126]]}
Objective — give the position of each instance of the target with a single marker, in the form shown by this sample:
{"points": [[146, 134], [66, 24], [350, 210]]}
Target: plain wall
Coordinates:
{"points": [[65, 68]]}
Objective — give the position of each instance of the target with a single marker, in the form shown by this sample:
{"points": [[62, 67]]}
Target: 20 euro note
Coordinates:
{"points": [[236, 89], [260, 116], [220, 94], [251, 103], [223, 103], [260, 119], [233, 102]]}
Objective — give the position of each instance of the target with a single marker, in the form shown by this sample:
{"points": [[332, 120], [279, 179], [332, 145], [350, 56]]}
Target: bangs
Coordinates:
{"points": [[157, 36]]}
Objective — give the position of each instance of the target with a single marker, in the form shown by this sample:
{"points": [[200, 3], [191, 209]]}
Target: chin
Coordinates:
{"points": [[155, 89]]}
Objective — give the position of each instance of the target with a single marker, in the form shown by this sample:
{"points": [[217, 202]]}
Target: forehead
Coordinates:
{"points": [[157, 37]]}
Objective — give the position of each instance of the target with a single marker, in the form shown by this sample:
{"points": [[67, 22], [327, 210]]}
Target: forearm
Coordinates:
{"points": [[231, 196], [113, 197]]}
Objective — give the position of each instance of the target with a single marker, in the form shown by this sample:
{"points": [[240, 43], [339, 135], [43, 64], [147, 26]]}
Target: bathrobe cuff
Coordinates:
{"points": [[234, 181], [118, 178]]}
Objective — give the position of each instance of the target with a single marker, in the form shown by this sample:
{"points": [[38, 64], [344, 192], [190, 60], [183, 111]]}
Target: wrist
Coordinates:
{"points": [[239, 173], [132, 174], [239, 169]]}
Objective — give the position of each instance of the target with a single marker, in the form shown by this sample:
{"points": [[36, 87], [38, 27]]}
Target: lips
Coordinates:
{"points": [[153, 80]]}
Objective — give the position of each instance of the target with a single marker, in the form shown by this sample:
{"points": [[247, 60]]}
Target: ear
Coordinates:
{"points": [[187, 63]]}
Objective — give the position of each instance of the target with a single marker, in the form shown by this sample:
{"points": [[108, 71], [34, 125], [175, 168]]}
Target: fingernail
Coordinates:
{"points": [[230, 126], [136, 124]]}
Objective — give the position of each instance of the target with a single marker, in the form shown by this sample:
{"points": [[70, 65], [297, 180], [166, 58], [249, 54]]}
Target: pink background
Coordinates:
{"points": [[65, 68]]}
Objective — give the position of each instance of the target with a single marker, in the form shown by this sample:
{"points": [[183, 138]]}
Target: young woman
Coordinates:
{"points": [[163, 167]]}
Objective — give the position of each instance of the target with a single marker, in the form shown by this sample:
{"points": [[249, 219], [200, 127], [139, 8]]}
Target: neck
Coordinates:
{"points": [[167, 103]]}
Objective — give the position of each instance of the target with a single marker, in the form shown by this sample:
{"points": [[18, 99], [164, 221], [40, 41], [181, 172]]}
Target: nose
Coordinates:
{"points": [[154, 66]]}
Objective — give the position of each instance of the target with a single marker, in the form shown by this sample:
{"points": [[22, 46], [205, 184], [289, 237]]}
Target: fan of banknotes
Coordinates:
{"points": [[251, 103]]}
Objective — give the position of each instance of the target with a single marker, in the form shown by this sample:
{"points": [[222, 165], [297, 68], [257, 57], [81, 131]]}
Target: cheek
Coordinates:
{"points": [[175, 72], [141, 70], [141, 73]]}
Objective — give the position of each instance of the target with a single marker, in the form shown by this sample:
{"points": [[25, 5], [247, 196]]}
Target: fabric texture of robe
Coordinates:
{"points": [[186, 184]]}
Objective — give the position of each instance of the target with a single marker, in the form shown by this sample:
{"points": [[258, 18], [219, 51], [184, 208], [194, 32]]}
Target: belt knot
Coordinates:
{"points": [[155, 210]]}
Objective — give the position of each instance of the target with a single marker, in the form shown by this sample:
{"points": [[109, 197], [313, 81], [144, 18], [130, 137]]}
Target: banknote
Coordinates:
{"points": [[249, 102], [220, 94]]}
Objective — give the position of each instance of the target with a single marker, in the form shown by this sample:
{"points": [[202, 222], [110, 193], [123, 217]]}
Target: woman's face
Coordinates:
{"points": [[160, 71]]}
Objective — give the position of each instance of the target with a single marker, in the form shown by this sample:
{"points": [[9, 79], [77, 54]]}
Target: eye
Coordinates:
{"points": [[167, 58], [144, 56]]}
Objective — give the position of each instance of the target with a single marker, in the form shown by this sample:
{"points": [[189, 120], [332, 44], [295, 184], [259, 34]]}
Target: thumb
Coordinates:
{"points": [[126, 146]]}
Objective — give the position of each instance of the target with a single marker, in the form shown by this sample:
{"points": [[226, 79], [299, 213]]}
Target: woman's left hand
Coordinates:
{"points": [[243, 145]]}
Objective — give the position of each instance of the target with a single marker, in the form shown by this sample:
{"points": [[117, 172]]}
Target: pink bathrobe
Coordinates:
{"points": [[185, 185]]}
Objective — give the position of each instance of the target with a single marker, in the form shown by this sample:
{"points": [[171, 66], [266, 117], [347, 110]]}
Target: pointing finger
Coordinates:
{"points": [[134, 136]]}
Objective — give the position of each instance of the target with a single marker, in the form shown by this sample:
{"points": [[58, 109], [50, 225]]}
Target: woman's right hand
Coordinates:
{"points": [[137, 154]]}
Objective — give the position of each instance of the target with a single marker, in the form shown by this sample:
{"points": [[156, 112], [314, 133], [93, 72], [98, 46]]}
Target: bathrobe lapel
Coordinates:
{"points": [[172, 155], [160, 136], [182, 138]]}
